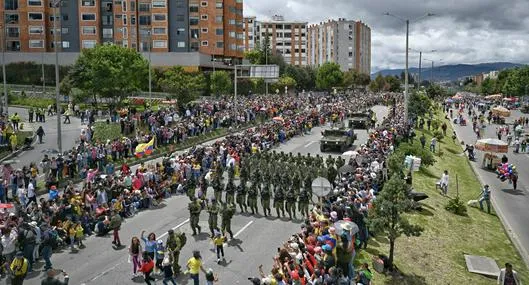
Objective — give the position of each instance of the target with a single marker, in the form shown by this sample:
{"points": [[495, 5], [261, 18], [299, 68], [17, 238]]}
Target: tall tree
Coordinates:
{"points": [[386, 217], [329, 75], [284, 81], [419, 104], [110, 71], [220, 82], [185, 86]]}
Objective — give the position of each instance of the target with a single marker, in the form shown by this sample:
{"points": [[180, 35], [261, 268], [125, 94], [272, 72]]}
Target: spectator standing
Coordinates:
{"points": [[52, 280], [485, 196], [508, 276], [433, 142], [445, 179], [194, 266], [115, 225], [19, 268]]}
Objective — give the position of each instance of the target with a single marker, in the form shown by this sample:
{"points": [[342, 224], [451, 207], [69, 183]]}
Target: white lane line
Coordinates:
{"points": [[243, 228], [117, 264], [174, 228], [307, 145]]}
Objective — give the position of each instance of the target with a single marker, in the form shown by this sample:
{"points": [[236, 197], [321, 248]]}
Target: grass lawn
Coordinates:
{"points": [[436, 257]]}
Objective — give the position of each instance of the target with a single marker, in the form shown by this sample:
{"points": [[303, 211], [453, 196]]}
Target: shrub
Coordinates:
{"points": [[426, 156], [456, 206], [438, 135]]}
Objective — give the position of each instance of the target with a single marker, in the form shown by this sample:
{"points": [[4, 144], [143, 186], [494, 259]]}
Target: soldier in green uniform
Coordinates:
{"points": [[265, 199], [191, 186], [319, 160], [230, 192], [279, 202], [307, 184], [252, 199], [227, 212], [331, 174], [329, 161], [231, 172], [243, 175], [303, 203], [296, 182], [339, 163], [241, 197], [217, 188], [291, 203], [194, 212], [213, 210], [174, 244]]}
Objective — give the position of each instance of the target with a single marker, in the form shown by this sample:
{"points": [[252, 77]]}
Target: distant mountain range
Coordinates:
{"points": [[450, 72]]}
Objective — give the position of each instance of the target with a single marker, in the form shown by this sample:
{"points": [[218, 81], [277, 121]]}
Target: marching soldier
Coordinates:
{"points": [[330, 161], [331, 174], [241, 197], [194, 212], [230, 191], [252, 199], [319, 160], [291, 203], [227, 212], [213, 210], [265, 199], [217, 188], [175, 243], [244, 169], [296, 182], [231, 172], [191, 186], [340, 162], [303, 203], [279, 200]]}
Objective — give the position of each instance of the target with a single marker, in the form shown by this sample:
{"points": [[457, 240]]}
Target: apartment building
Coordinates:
{"points": [[211, 27], [251, 32], [345, 42]]}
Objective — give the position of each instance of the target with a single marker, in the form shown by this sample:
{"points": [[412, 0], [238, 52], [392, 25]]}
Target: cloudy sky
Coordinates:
{"points": [[462, 31]]}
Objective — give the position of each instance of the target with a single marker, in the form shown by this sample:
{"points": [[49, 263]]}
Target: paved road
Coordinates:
{"points": [[70, 132], [510, 205], [256, 237]]}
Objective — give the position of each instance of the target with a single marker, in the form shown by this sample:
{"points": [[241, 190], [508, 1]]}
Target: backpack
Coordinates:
{"points": [[183, 240]]}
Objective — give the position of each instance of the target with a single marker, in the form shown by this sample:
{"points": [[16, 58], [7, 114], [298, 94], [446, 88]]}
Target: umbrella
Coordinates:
{"points": [[501, 111], [6, 205], [321, 186], [347, 226], [280, 119], [346, 169], [351, 153], [492, 145]]}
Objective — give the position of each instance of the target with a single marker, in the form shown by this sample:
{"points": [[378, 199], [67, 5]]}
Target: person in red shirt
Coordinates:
{"points": [[147, 266]]}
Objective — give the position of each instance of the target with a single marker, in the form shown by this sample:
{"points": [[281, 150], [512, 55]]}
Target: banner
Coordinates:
{"points": [[144, 148]]}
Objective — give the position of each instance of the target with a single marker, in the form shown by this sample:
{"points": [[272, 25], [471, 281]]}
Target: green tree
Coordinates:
{"points": [[419, 104], [185, 86], [350, 78], [392, 84], [329, 75], [363, 79], [284, 81], [110, 71], [220, 82], [378, 84], [387, 215], [66, 85], [435, 91], [254, 56]]}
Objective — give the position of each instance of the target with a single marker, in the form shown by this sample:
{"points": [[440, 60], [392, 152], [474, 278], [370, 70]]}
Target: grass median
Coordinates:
{"points": [[437, 256]]}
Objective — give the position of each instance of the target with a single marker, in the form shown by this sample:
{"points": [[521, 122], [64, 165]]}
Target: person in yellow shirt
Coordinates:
{"points": [[13, 141], [19, 268], [194, 266], [79, 234], [218, 241]]}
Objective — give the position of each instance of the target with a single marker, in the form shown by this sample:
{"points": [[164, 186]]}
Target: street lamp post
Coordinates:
{"points": [[42, 60], [406, 87], [150, 76], [4, 46], [420, 65], [56, 4]]}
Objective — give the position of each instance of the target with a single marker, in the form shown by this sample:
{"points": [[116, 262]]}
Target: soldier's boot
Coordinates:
{"points": [[199, 229], [212, 231], [277, 211]]}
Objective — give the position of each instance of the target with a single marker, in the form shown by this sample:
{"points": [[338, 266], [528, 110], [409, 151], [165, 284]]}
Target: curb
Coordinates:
{"points": [[14, 154], [506, 225]]}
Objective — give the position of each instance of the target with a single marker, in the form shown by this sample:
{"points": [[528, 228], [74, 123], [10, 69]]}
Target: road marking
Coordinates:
{"points": [[307, 145], [243, 228], [174, 228]]}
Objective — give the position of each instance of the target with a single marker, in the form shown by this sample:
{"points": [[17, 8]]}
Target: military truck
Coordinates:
{"points": [[361, 120], [337, 139]]}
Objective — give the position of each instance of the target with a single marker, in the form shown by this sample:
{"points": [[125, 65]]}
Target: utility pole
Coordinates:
{"points": [[420, 65], [4, 46], [42, 60], [57, 94], [150, 78]]}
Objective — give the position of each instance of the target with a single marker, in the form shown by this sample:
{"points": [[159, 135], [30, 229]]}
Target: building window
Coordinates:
{"points": [[193, 9], [11, 19], [65, 31], [144, 7], [158, 31], [133, 6], [204, 30], [232, 34], [88, 3], [35, 16], [219, 19], [220, 44], [204, 17], [11, 5], [193, 21], [204, 3], [13, 32], [89, 44], [159, 44], [180, 31], [36, 43], [133, 20], [219, 5], [158, 4], [125, 32], [124, 17], [231, 22], [180, 18], [35, 30], [181, 44], [65, 44], [145, 20], [125, 44], [88, 17], [159, 17], [204, 43], [34, 3], [219, 32], [89, 30], [233, 47], [194, 33], [124, 6], [238, 1], [107, 33]]}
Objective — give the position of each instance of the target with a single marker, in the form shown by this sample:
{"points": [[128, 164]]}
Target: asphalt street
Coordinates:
{"points": [[256, 237], [510, 204], [70, 132]]}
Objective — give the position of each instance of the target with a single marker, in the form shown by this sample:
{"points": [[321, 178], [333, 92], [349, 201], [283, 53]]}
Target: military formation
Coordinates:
{"points": [[276, 179]]}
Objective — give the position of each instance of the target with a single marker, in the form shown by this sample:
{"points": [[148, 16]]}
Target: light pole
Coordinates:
{"points": [[420, 65], [406, 87], [56, 4], [4, 46], [42, 60], [150, 78]]}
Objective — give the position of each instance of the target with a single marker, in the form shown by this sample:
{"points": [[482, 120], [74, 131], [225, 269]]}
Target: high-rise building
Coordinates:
{"points": [[288, 38], [345, 42], [211, 27]]}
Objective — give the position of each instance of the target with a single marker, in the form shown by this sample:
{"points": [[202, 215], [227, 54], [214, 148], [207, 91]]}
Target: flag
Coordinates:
{"points": [[144, 148]]}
